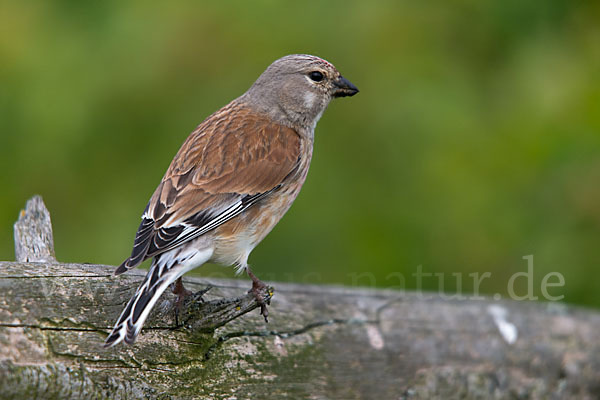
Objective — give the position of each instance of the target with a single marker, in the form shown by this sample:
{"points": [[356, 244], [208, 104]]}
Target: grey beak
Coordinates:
{"points": [[343, 88]]}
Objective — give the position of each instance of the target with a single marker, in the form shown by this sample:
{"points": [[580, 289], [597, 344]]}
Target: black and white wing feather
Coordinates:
{"points": [[231, 161]]}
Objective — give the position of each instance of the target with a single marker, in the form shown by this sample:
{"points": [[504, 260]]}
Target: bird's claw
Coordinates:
{"points": [[260, 291]]}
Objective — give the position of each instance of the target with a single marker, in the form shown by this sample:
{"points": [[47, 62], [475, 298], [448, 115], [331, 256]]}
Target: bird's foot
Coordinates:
{"points": [[260, 291], [178, 289]]}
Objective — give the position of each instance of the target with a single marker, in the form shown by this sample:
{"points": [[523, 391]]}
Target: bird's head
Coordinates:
{"points": [[296, 89]]}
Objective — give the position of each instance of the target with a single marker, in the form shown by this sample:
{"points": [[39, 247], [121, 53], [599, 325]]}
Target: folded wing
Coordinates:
{"points": [[233, 160]]}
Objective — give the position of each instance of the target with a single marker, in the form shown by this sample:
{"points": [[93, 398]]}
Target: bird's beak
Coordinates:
{"points": [[343, 87]]}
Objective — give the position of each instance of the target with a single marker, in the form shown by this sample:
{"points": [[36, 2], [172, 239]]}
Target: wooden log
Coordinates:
{"points": [[322, 342]]}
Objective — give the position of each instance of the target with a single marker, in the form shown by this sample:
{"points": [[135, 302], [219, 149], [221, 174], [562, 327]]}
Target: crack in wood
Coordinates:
{"points": [[50, 328], [53, 276], [82, 358], [285, 334]]}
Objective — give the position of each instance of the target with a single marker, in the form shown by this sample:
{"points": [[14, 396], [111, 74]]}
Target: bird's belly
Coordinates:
{"points": [[235, 239]]}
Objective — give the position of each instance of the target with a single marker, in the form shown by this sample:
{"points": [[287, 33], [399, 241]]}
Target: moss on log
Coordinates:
{"points": [[322, 342]]}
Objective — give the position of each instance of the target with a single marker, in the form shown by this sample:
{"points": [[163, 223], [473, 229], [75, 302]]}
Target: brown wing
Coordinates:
{"points": [[234, 159]]}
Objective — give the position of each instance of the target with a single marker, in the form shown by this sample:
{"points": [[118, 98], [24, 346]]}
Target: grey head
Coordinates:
{"points": [[296, 89]]}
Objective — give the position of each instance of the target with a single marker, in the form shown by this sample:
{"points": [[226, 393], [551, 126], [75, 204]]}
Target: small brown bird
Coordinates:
{"points": [[231, 182]]}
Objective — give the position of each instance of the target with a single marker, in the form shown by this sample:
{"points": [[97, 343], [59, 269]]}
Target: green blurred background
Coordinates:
{"points": [[475, 139]]}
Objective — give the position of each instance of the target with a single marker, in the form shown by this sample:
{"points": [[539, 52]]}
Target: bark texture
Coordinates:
{"points": [[322, 342]]}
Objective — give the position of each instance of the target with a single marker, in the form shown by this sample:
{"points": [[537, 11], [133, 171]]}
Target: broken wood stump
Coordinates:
{"points": [[322, 342]]}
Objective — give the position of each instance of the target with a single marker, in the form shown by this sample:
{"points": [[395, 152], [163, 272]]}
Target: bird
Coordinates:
{"points": [[229, 184]]}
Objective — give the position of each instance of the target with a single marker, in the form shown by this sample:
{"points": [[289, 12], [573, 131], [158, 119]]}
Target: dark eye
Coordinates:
{"points": [[316, 76]]}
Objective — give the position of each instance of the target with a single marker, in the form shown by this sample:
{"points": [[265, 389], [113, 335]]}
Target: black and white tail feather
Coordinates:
{"points": [[165, 270], [173, 257]]}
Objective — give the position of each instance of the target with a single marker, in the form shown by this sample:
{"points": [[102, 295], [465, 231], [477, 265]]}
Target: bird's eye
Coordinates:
{"points": [[316, 76]]}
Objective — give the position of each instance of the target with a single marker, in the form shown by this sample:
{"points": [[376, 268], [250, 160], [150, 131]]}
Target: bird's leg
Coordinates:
{"points": [[178, 289], [258, 289], [181, 292]]}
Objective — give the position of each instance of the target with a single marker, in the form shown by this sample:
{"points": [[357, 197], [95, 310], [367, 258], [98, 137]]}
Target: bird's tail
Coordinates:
{"points": [[138, 308]]}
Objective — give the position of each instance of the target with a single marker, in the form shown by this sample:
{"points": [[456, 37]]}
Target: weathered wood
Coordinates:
{"points": [[322, 342], [34, 241]]}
